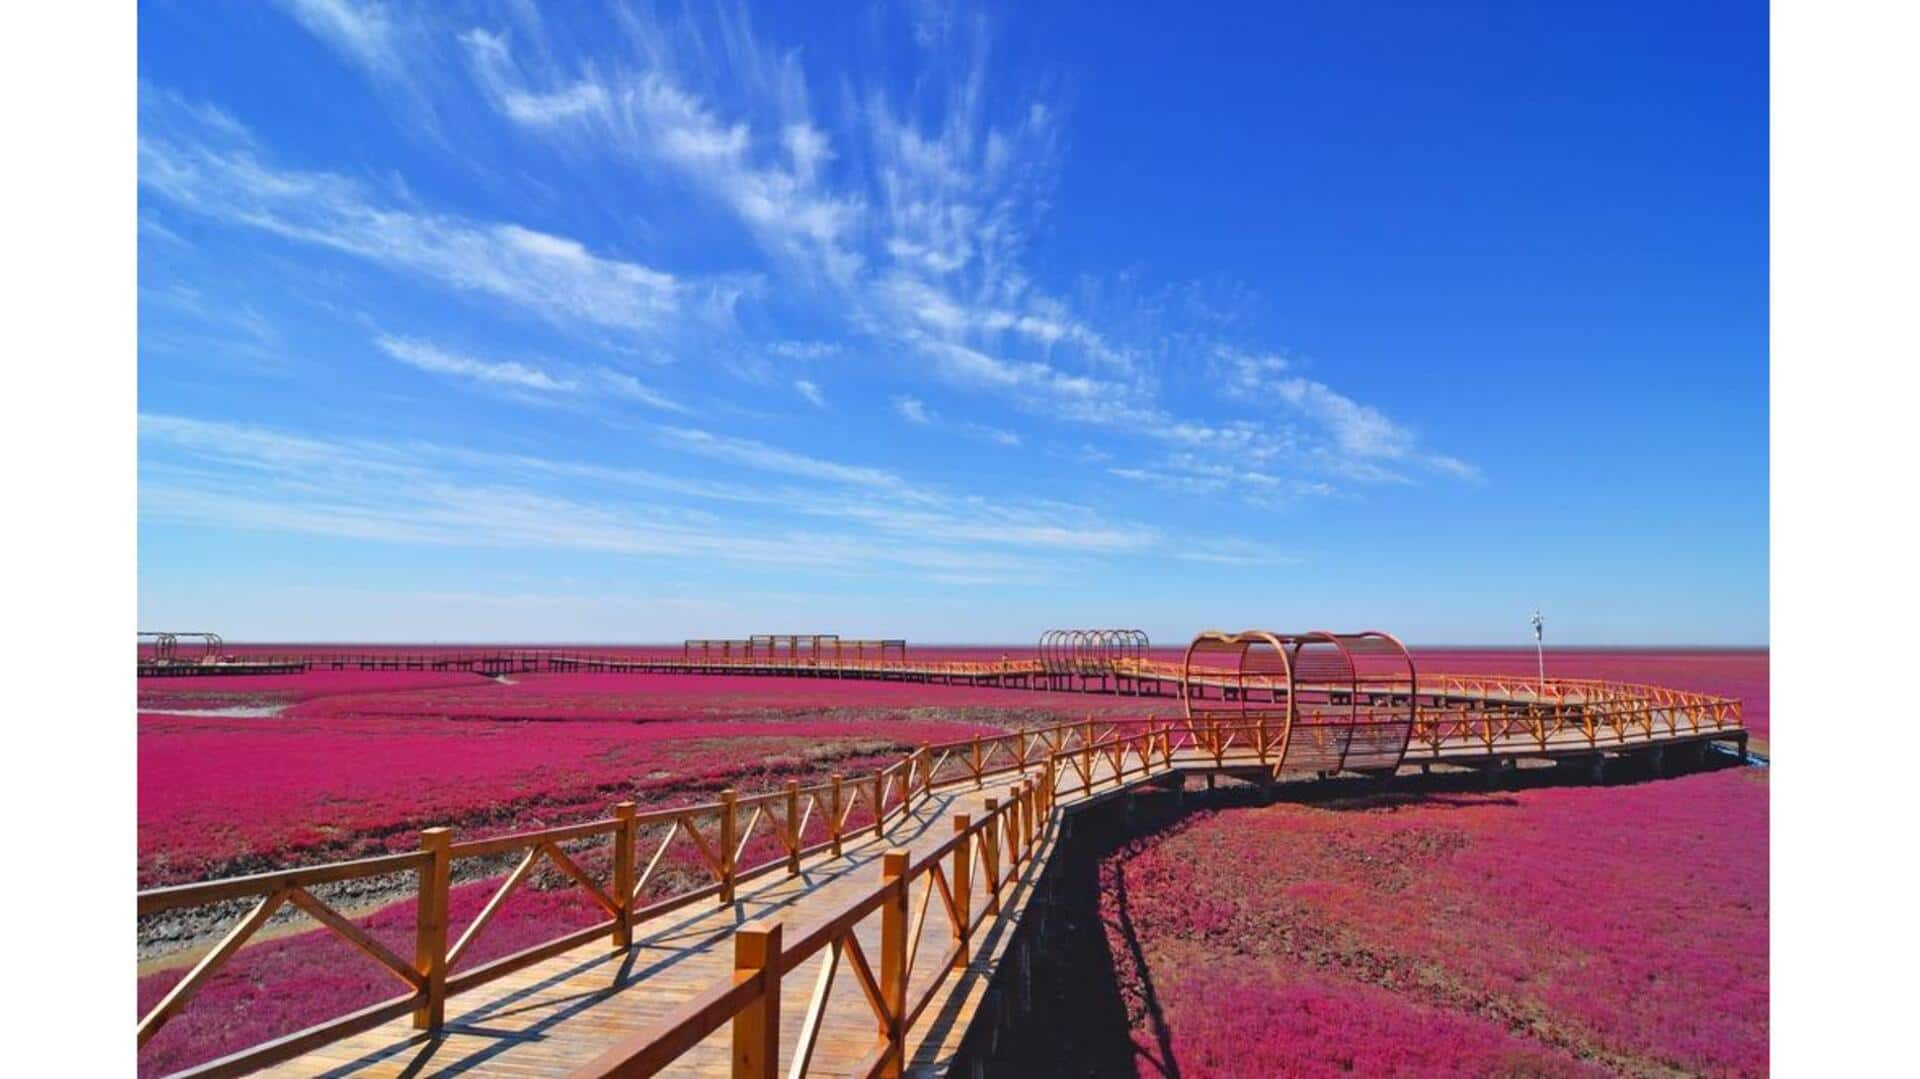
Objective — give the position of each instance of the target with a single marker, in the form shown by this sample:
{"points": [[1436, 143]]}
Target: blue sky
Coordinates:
{"points": [[634, 323]]}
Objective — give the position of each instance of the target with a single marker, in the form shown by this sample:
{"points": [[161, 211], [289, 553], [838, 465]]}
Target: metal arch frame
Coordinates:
{"points": [[1224, 642], [166, 646], [1350, 685], [1216, 640], [1291, 648], [1056, 651], [1078, 641], [1120, 644], [1413, 681], [1089, 651]]}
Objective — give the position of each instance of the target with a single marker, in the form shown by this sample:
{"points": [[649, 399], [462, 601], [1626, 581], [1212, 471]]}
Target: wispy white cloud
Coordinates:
{"points": [[915, 411], [804, 350], [423, 493], [181, 319], [1365, 442], [768, 179], [932, 265], [518, 376], [363, 32], [1236, 553], [759, 455], [621, 384], [431, 358], [912, 217], [811, 392], [316, 487], [1186, 473], [399, 46], [979, 520], [556, 277]]}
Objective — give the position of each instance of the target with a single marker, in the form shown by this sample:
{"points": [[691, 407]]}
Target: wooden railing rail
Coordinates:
{"points": [[719, 833], [274, 891], [749, 999]]}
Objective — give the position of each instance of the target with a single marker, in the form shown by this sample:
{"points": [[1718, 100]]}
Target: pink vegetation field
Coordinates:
{"points": [[342, 763], [1548, 931], [1552, 931]]}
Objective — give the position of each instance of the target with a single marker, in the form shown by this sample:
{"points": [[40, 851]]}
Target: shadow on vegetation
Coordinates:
{"points": [[1079, 1021]]}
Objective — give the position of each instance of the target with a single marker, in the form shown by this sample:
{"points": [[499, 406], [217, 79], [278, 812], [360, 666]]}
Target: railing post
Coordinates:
{"points": [[879, 803], [977, 781], [430, 935], [1026, 815], [1013, 827], [728, 824], [793, 827], [962, 882], [926, 771], [1027, 812], [623, 842], [990, 854], [756, 1029], [893, 961], [833, 815]]}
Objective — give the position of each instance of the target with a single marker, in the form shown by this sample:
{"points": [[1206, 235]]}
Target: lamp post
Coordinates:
{"points": [[1540, 649]]}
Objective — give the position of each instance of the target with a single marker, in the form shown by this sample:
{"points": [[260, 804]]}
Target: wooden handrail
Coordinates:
{"points": [[748, 999]]}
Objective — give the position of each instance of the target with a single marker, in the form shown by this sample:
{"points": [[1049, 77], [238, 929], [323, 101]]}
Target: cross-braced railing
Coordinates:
{"points": [[983, 859]]}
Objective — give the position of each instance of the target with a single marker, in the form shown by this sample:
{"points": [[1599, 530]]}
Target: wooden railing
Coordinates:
{"points": [[271, 891], [740, 838], [991, 850], [749, 999], [718, 836]]}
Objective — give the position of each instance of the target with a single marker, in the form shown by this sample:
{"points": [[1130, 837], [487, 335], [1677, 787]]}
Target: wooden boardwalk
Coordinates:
{"points": [[559, 1015], [562, 1015], [854, 947]]}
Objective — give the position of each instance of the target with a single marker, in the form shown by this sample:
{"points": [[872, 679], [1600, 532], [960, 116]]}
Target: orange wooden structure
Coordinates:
{"points": [[812, 649]]}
